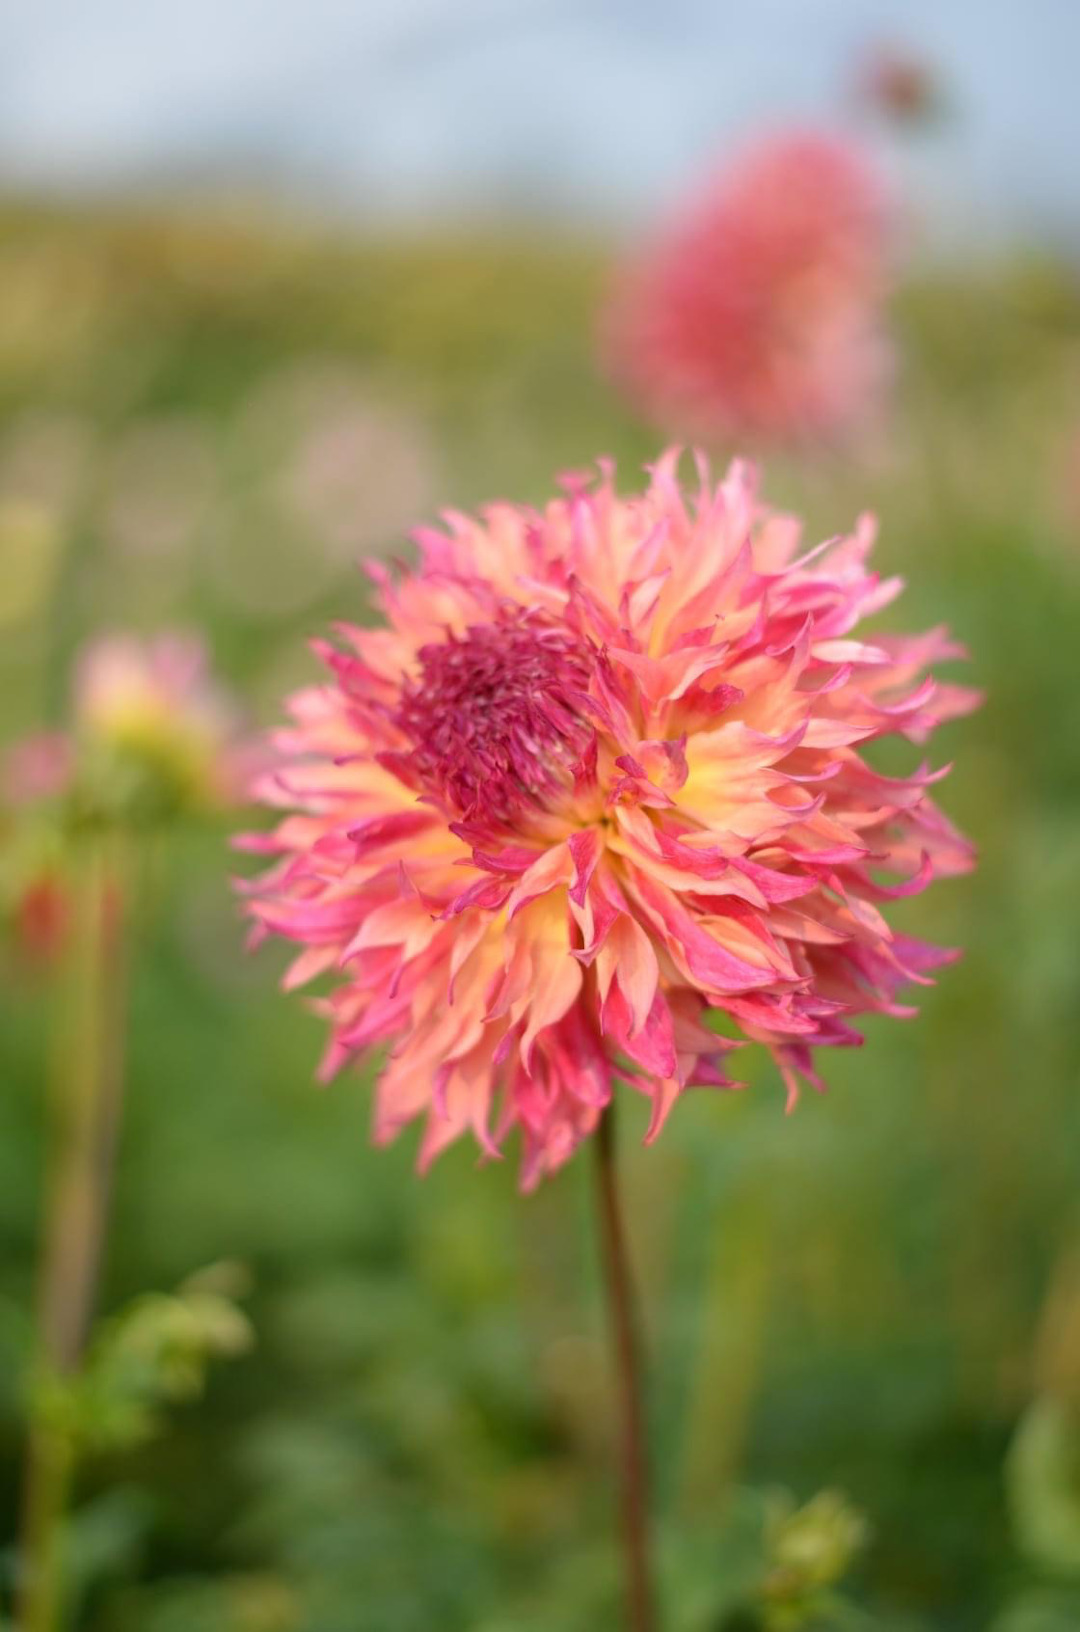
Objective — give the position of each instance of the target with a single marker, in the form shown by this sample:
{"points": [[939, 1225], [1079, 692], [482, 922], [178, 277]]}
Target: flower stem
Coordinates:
{"points": [[633, 1454], [47, 1481], [84, 1115]]}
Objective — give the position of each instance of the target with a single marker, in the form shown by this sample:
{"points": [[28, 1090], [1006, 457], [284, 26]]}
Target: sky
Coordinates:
{"points": [[584, 109]]}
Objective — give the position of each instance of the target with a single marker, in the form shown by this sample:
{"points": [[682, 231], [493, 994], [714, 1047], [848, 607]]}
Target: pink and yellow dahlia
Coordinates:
{"points": [[759, 313], [154, 730], [596, 777], [151, 735]]}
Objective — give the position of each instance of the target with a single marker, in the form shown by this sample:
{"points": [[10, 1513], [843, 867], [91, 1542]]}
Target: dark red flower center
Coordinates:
{"points": [[495, 718]]}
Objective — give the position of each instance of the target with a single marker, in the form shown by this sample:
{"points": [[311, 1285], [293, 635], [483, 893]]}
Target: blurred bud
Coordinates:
{"points": [[152, 737], [811, 1548], [38, 768], [155, 737], [42, 918], [899, 84], [35, 899]]}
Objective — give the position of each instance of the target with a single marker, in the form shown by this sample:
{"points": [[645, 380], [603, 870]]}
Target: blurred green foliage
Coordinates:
{"points": [[202, 422], [153, 1353]]}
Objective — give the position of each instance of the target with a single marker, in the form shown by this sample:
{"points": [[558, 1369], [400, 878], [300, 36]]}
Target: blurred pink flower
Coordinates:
{"points": [[156, 700], [150, 733], [122, 680], [596, 775], [37, 768], [321, 467], [357, 473], [759, 315]]}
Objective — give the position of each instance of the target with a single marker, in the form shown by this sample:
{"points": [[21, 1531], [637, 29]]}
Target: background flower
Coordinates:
{"points": [[759, 313], [152, 734]]}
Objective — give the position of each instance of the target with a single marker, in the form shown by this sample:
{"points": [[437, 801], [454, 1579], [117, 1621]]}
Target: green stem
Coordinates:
{"points": [[81, 1144], [632, 1437], [47, 1482]]}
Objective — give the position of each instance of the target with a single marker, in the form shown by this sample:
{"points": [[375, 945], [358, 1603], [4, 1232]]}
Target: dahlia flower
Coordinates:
{"points": [[759, 313], [151, 734], [152, 709], [594, 781]]}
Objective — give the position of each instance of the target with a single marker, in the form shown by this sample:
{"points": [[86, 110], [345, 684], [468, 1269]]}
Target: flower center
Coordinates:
{"points": [[492, 717]]}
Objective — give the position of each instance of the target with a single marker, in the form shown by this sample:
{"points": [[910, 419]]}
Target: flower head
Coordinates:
{"points": [[154, 704], [759, 314], [596, 776], [151, 735]]}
